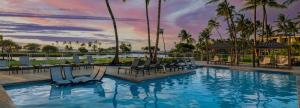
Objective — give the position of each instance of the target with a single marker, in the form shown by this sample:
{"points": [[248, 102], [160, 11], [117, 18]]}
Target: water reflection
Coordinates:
{"points": [[226, 88]]}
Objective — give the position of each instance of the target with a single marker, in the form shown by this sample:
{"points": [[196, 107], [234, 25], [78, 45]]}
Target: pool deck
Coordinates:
{"points": [[6, 79]]}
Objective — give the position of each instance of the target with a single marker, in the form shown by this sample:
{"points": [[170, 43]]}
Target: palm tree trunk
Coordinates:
{"points": [[157, 32], [254, 41], [233, 31], [219, 34], [148, 29], [116, 58], [265, 22]]}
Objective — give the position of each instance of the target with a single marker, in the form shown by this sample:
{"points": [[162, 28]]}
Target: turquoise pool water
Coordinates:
{"points": [[206, 88]]}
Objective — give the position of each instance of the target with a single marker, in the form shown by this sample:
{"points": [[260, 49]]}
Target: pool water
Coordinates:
{"points": [[206, 88]]}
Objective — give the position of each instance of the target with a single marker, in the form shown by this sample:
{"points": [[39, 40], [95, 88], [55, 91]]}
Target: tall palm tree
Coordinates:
{"points": [[213, 24], [157, 30], [264, 4], [205, 35], [226, 10], [116, 58], [282, 25], [184, 36], [148, 28], [252, 4]]}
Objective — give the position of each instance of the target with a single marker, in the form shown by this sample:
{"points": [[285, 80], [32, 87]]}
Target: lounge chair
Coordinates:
{"points": [[157, 66], [25, 63], [69, 75], [216, 59], [57, 77], [77, 62], [100, 74], [228, 60], [192, 64], [145, 67], [90, 60], [282, 61], [134, 66], [265, 61], [3, 65], [91, 77]]}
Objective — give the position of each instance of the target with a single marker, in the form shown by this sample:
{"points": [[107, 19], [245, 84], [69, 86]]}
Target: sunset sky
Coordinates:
{"points": [[46, 21]]}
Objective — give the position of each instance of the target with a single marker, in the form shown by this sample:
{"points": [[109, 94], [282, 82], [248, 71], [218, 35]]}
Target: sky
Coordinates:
{"points": [[47, 21]]}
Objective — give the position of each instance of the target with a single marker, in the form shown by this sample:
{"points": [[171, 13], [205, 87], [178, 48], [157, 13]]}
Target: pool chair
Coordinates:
{"points": [[68, 71], [172, 66], [228, 60], [157, 66], [100, 74], [90, 61], [25, 63], [144, 67], [133, 67], [57, 77], [215, 60], [265, 61], [91, 77], [181, 64], [282, 61], [191, 63], [3, 65], [77, 62]]}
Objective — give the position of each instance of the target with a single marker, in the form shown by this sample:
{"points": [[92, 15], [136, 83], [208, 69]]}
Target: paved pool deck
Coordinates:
{"points": [[6, 79]]}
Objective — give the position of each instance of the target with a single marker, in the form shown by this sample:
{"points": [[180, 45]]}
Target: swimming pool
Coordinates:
{"points": [[206, 88]]}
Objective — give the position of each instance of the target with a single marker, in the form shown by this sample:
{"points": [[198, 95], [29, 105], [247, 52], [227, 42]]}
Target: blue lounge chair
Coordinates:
{"points": [[145, 67], [57, 77]]}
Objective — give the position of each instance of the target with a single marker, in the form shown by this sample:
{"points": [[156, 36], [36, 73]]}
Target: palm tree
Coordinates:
{"points": [[287, 2], [184, 36], [252, 4], [157, 30], [264, 4], [292, 28], [148, 27], [282, 25], [205, 35], [226, 10], [213, 24], [116, 58]]}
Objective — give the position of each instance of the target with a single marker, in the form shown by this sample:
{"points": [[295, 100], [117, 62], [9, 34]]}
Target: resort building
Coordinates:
{"points": [[280, 38]]}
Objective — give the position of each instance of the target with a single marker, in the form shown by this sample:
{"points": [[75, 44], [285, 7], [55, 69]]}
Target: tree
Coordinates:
{"points": [[125, 47], [32, 47], [9, 46], [82, 50], [157, 30], [148, 27], [95, 47], [205, 35], [152, 48], [116, 58], [185, 36], [49, 49], [282, 25], [214, 25]]}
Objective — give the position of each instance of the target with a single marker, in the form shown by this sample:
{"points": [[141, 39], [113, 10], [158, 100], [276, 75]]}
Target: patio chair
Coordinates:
{"points": [[216, 59], [90, 60], [265, 61], [157, 66], [3, 65], [77, 62], [100, 74], [57, 77], [69, 75], [282, 61], [145, 67], [228, 60], [192, 64], [91, 77], [134, 66], [25, 63]]}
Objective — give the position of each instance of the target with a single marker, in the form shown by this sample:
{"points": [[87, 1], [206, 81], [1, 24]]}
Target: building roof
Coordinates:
{"points": [[271, 45]]}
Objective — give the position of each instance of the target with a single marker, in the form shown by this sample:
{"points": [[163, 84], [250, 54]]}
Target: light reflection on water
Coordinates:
{"points": [[207, 88]]}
